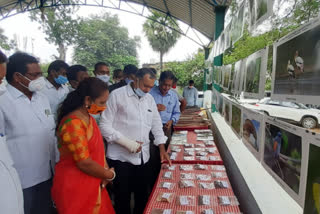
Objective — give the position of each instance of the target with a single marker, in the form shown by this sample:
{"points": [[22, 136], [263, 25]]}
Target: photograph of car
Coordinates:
{"points": [[292, 112]]}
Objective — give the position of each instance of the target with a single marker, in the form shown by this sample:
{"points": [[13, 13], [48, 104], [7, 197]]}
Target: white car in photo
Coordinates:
{"points": [[292, 112]]}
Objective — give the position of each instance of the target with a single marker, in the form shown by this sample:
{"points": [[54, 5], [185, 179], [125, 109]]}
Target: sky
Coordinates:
{"points": [[32, 39]]}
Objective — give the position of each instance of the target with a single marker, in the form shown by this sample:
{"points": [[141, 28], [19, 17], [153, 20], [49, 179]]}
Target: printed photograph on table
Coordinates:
{"points": [[255, 74], [283, 155], [296, 65], [236, 118], [226, 76], [238, 25], [252, 131], [226, 110], [312, 193]]}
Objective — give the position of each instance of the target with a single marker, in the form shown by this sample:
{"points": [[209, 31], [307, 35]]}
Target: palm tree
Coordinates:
{"points": [[160, 37]]}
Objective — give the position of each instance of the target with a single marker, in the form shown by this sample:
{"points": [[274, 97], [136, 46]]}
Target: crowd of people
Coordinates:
{"points": [[68, 137]]}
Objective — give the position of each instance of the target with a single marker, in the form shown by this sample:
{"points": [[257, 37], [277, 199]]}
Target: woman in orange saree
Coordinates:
{"points": [[82, 172]]}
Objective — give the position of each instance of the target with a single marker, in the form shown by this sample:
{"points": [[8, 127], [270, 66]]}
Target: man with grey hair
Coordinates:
{"points": [[130, 115]]}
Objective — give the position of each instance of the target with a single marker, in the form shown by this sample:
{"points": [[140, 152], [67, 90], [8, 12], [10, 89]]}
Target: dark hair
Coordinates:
{"points": [[130, 69], [92, 87], [73, 71], [144, 71], [18, 63], [154, 70], [191, 82], [116, 73], [166, 75], [97, 65], [3, 58], [57, 65]]}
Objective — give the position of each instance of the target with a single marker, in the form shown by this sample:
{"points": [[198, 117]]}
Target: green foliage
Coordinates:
{"points": [[5, 43], [189, 69], [101, 38], [160, 37], [58, 25], [306, 10]]}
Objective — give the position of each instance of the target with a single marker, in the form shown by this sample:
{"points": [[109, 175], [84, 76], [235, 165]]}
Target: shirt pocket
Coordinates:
{"points": [[169, 107]]}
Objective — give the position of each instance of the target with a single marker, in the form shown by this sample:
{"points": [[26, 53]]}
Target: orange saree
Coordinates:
{"points": [[74, 191]]}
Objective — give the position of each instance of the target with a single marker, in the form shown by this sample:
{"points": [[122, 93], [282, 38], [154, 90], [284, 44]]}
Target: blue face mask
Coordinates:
{"points": [[139, 92], [128, 80], [156, 83], [61, 80]]}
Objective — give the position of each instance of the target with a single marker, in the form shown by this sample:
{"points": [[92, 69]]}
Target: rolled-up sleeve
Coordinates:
{"points": [[107, 119], [156, 128]]}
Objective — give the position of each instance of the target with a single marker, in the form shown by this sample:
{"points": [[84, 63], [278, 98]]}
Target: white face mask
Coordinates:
{"points": [[3, 86], [104, 77], [35, 85]]}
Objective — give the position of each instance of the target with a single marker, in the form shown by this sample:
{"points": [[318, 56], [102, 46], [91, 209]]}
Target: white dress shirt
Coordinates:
{"points": [[11, 197], [30, 131], [55, 96], [127, 115]]}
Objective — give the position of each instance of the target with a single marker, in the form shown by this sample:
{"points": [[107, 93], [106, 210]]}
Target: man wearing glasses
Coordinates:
{"points": [[28, 124]]}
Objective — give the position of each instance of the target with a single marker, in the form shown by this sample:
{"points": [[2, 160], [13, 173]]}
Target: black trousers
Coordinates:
{"points": [[130, 178], [37, 199]]}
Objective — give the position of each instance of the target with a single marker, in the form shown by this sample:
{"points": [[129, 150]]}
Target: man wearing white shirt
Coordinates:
{"points": [[56, 89], [28, 124], [131, 114], [11, 198]]}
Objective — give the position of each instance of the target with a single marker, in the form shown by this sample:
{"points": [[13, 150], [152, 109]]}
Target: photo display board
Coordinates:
{"points": [[259, 10], [236, 118], [255, 74], [227, 110], [220, 103], [238, 25], [253, 131], [312, 193], [238, 76], [226, 76], [296, 65], [285, 156]]}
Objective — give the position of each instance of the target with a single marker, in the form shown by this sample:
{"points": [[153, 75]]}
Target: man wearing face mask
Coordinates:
{"points": [[102, 71], [75, 74], [117, 75], [129, 72], [28, 124], [56, 89], [190, 93], [131, 114], [11, 197]]}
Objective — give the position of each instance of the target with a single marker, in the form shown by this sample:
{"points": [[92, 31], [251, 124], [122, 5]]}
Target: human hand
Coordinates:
{"points": [[168, 125], [105, 182], [140, 147], [161, 107]]}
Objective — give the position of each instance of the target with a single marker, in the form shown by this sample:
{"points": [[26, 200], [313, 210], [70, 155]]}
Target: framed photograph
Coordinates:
{"points": [[226, 76], [252, 131], [238, 25], [236, 118], [296, 65], [209, 75], [231, 76], [227, 36], [220, 103], [222, 42], [238, 77], [263, 10], [284, 156], [255, 74], [227, 110], [312, 202]]}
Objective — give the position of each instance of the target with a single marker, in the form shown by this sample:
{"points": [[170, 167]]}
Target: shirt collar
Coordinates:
{"points": [[49, 84], [130, 90], [157, 89], [15, 93]]}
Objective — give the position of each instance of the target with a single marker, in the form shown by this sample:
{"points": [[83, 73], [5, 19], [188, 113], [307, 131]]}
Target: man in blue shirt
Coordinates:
{"points": [[190, 93], [168, 106]]}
